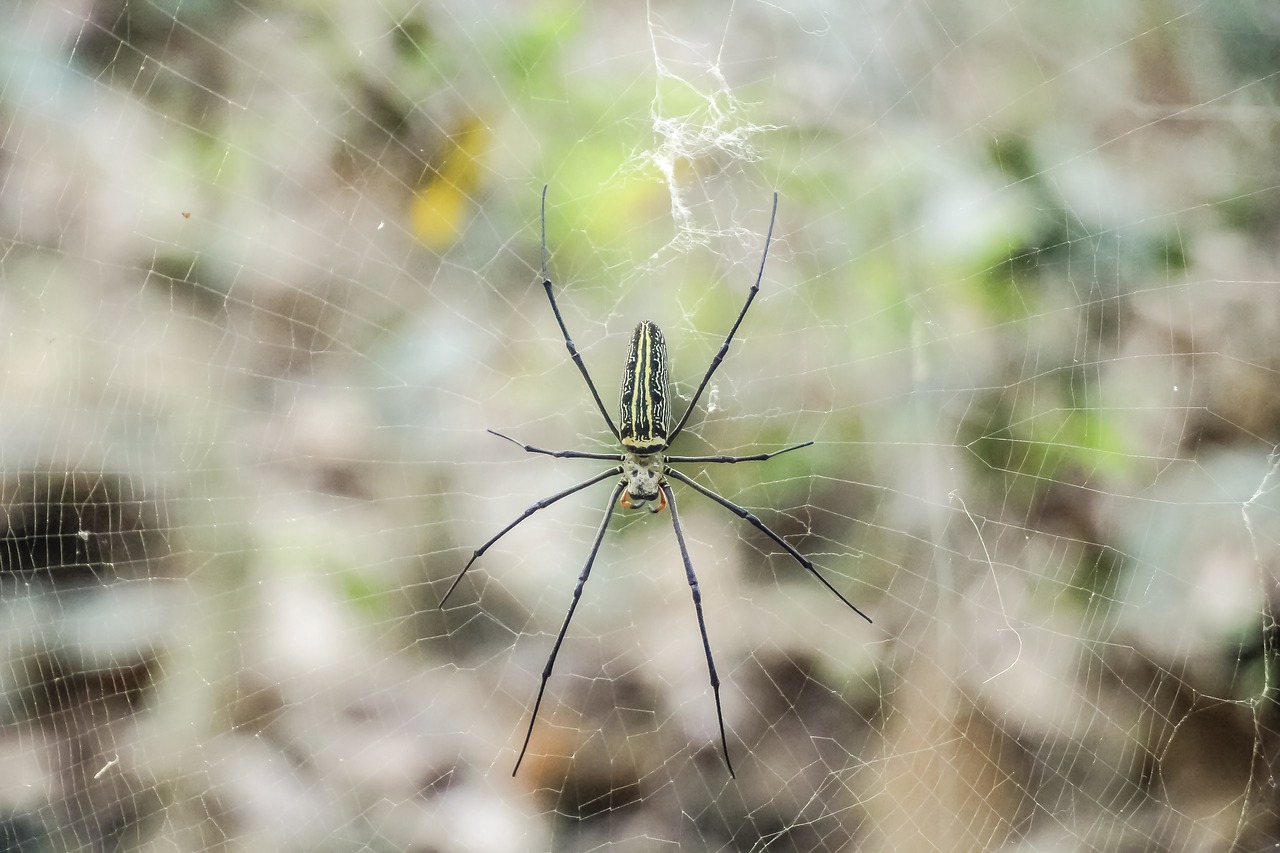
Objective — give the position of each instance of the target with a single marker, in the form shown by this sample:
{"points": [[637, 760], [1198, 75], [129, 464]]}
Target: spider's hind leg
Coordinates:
{"points": [[568, 617], [702, 622]]}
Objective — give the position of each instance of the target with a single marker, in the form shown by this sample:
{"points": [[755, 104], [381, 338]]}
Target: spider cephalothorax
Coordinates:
{"points": [[645, 467]]}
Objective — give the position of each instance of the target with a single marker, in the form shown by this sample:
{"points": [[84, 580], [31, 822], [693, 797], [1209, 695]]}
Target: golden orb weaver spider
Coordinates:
{"points": [[644, 468]]}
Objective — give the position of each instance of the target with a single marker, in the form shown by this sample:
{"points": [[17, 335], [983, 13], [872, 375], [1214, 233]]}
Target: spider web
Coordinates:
{"points": [[269, 272]]}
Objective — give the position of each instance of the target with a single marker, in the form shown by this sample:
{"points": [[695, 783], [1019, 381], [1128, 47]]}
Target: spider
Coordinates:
{"points": [[645, 468]]}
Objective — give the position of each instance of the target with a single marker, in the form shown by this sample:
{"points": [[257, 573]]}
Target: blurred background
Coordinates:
{"points": [[269, 270]]}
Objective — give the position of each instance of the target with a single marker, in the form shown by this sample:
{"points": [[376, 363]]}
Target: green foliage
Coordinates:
{"points": [[1030, 450], [368, 599]]}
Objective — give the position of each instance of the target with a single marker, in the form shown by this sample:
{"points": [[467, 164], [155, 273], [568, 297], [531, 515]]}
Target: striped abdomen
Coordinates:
{"points": [[644, 392]]}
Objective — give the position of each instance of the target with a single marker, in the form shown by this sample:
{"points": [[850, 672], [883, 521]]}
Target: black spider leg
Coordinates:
{"points": [[759, 457], [724, 347], [759, 525], [702, 622], [568, 341], [561, 454], [542, 504], [568, 617]]}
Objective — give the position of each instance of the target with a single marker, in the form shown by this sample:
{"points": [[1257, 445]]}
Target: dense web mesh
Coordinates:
{"points": [[269, 271]]}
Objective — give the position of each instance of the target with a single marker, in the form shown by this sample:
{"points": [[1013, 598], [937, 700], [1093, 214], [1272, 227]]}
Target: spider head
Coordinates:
{"points": [[642, 475]]}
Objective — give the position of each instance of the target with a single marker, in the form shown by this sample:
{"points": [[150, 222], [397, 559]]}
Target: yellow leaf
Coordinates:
{"points": [[440, 204]]}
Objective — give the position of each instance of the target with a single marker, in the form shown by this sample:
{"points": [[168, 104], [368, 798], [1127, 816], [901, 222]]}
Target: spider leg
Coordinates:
{"points": [[542, 504], [724, 347], [759, 457], [759, 525], [702, 622], [562, 454], [577, 595], [568, 341]]}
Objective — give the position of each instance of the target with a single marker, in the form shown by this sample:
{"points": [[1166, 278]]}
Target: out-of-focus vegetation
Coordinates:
{"points": [[268, 272]]}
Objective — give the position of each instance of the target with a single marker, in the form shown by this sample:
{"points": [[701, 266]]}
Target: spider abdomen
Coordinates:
{"points": [[643, 429]]}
